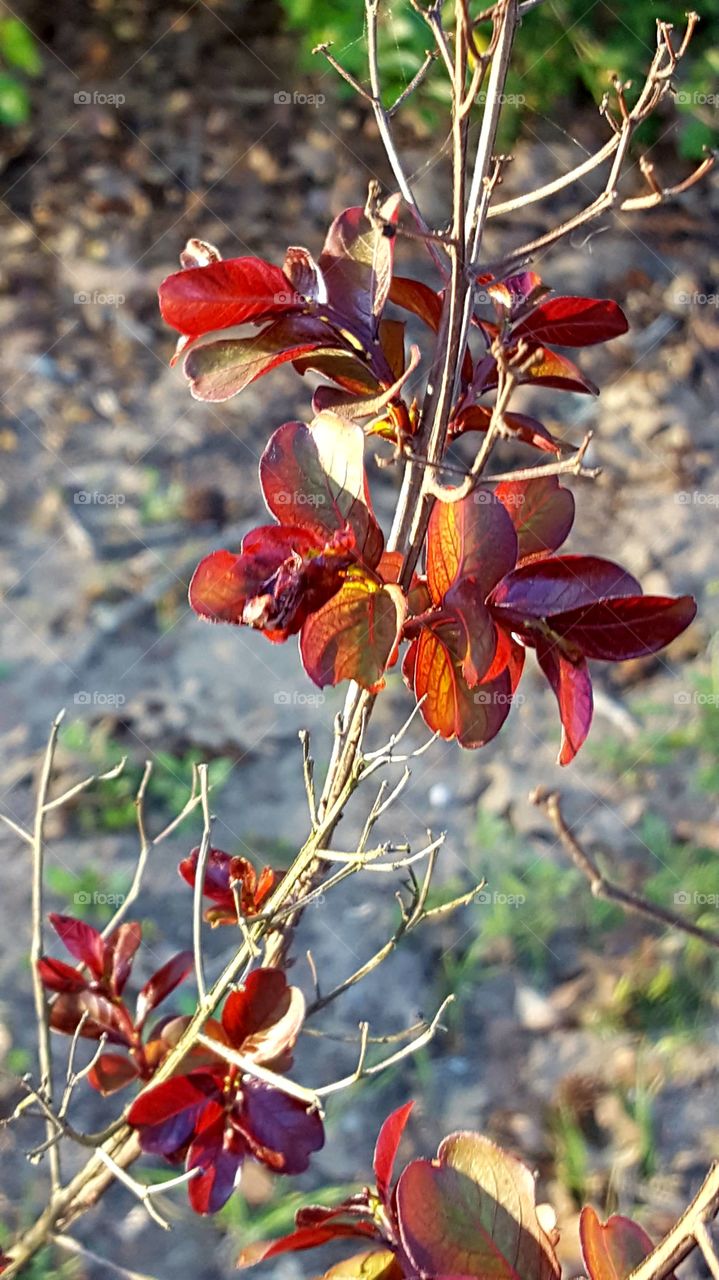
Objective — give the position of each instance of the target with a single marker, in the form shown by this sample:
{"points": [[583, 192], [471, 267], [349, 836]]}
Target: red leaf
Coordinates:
{"points": [[171, 1098], [82, 941], [531, 431], [218, 1153], [573, 322], [280, 577], [264, 1018], [120, 953], [611, 1250], [551, 585], [356, 262], [303, 1238], [162, 983], [385, 1152], [615, 630], [314, 477], [472, 1213], [58, 976], [219, 370], [549, 369], [112, 1071], [98, 1015], [473, 537], [541, 511], [202, 299], [572, 688], [355, 635]]}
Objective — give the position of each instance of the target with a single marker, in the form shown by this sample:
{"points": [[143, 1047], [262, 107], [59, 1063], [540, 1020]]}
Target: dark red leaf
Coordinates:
{"points": [[120, 953], [573, 322], [97, 1014], [112, 1071], [217, 1152], [82, 941], [263, 1018], [551, 585], [385, 1152], [512, 294], [217, 874], [58, 976], [531, 431], [287, 1130], [615, 630], [541, 511], [466, 600], [202, 299], [162, 983], [303, 1238], [572, 686], [166, 1113]]}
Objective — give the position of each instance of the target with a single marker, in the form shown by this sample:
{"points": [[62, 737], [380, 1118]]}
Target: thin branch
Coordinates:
{"points": [[36, 946], [202, 856], [362, 1072], [550, 802], [308, 766], [79, 787], [682, 1239], [81, 1251]]}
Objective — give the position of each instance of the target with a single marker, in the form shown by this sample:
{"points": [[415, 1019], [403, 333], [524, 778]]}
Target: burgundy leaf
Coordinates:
{"points": [[512, 295], [166, 1113], [202, 299], [216, 1152], [93, 1014], [288, 1130], [162, 983], [615, 630], [572, 686], [120, 953], [217, 874], [552, 585], [303, 1238], [573, 322], [541, 511], [466, 600]]}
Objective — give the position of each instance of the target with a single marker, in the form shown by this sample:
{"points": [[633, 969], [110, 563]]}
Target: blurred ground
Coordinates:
{"points": [[586, 1042]]}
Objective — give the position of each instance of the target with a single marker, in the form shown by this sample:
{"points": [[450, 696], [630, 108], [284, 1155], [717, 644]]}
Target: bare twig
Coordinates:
{"points": [[199, 889], [550, 802]]}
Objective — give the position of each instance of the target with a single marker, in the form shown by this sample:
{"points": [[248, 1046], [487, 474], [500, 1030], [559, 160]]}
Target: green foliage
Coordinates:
{"points": [[550, 74], [19, 58], [111, 805]]}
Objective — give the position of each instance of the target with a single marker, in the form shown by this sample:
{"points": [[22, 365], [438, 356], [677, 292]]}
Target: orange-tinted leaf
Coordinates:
{"points": [[552, 370], [466, 600], [541, 511], [355, 635], [432, 667], [611, 1250], [378, 1264], [472, 1213], [112, 1071], [474, 537]]}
